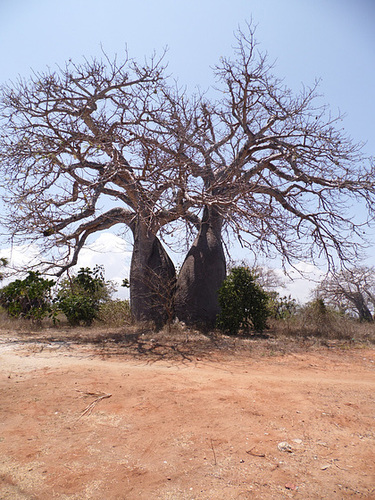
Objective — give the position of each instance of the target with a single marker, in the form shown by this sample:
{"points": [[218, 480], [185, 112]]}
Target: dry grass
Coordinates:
{"points": [[176, 341], [332, 327]]}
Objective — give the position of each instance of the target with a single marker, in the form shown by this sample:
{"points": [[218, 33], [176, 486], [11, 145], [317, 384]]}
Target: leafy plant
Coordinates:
{"points": [[243, 302], [281, 307], [80, 297], [29, 298], [3, 263]]}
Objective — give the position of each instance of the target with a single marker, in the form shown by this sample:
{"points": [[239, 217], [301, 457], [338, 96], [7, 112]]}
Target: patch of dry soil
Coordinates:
{"points": [[77, 425]]}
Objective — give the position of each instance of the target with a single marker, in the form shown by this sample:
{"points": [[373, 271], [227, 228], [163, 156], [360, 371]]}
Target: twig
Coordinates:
{"points": [[91, 406], [251, 452], [334, 460], [213, 451]]}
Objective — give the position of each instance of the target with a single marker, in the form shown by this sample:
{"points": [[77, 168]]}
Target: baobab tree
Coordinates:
{"points": [[102, 143], [72, 167], [274, 169], [350, 291]]}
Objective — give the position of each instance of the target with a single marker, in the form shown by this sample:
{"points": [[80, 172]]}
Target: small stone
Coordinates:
{"points": [[297, 441], [291, 486], [284, 446]]}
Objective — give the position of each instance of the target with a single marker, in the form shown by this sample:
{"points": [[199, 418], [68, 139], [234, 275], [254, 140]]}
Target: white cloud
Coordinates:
{"points": [[300, 281], [114, 254], [20, 255]]}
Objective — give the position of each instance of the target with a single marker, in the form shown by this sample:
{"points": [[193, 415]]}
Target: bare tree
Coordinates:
{"points": [[72, 165], [350, 291], [105, 143], [273, 168]]}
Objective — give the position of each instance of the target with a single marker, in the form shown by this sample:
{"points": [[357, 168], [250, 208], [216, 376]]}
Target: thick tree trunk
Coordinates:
{"points": [[201, 275], [363, 311], [152, 279]]}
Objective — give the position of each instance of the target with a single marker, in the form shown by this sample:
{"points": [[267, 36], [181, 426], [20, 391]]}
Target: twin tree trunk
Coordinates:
{"points": [[156, 296]]}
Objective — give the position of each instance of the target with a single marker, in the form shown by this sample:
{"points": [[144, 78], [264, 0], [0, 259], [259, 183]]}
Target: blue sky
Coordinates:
{"points": [[329, 39]]}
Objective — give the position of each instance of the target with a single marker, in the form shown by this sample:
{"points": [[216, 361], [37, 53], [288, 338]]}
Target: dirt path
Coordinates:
{"points": [[204, 428]]}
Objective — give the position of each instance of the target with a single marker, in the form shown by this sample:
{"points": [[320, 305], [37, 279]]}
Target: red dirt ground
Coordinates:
{"points": [[85, 421]]}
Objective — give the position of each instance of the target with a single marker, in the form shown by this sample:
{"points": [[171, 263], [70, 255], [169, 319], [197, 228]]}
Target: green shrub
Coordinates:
{"points": [[243, 303], [29, 298], [80, 297]]}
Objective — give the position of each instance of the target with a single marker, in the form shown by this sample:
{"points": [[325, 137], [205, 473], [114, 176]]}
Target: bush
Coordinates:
{"points": [[243, 302], [80, 297], [115, 312], [281, 307], [29, 298], [319, 318]]}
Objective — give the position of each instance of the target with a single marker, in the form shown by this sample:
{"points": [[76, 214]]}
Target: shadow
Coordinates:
{"points": [[141, 342]]}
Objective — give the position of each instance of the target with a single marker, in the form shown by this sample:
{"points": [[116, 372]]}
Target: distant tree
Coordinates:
{"points": [[350, 291], [267, 278]]}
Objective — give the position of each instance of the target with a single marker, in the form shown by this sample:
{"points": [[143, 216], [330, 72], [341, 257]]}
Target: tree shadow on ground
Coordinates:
{"points": [[143, 342]]}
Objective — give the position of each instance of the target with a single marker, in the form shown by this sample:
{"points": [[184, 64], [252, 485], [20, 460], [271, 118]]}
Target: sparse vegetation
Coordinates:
{"points": [[115, 313], [85, 298], [281, 307]]}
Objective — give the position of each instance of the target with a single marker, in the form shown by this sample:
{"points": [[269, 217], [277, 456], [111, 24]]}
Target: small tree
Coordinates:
{"points": [[281, 307], [29, 298], [80, 297], [243, 302]]}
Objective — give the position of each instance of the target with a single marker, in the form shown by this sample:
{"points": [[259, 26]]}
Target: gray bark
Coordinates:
{"points": [[361, 306], [201, 275], [152, 279]]}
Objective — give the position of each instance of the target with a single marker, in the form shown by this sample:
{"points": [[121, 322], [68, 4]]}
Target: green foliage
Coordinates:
{"points": [[29, 298], [80, 297], [281, 307], [243, 302], [3, 263]]}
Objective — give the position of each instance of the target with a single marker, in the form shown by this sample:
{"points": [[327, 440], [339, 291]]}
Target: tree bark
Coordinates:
{"points": [[363, 311], [201, 275], [152, 279]]}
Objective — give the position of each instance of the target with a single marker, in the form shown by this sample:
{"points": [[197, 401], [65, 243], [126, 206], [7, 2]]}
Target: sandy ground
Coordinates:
{"points": [[86, 421]]}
